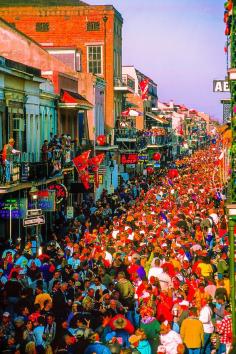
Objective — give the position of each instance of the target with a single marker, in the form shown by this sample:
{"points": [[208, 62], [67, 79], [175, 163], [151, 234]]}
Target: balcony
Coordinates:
{"points": [[126, 84], [130, 139], [126, 135], [157, 141], [34, 168]]}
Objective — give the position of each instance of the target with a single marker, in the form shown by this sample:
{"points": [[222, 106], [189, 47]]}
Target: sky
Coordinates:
{"points": [[179, 44]]}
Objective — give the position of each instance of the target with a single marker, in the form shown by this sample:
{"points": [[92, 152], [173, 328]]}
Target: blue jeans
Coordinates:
{"points": [[222, 349], [207, 344], [8, 168], [194, 351]]}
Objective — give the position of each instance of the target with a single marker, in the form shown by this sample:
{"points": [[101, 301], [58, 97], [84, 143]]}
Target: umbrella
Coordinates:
{"points": [[130, 112]]}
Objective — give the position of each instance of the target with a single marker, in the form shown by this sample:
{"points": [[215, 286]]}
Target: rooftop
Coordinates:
{"points": [[37, 3]]}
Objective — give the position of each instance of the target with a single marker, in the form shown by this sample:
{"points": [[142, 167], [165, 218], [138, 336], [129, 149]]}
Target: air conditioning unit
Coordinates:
{"points": [[18, 124]]}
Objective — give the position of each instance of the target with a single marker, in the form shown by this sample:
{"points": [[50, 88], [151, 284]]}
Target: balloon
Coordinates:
{"points": [[101, 140], [213, 141], [173, 173], [156, 156], [150, 170], [229, 5], [227, 31]]}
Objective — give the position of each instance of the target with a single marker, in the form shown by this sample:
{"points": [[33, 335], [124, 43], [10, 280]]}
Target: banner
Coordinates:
{"points": [[95, 162], [81, 161], [144, 88]]}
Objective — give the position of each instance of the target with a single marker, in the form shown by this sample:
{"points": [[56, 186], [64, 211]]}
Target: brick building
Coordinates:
{"points": [[87, 38]]}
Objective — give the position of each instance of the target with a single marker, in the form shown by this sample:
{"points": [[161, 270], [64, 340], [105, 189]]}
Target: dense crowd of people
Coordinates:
{"points": [[143, 271]]}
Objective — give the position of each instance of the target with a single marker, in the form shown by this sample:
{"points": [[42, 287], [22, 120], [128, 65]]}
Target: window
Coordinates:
{"points": [[42, 27], [94, 59], [93, 26]]}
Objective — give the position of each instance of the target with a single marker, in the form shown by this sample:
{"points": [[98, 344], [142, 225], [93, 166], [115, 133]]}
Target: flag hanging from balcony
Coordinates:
{"points": [[84, 177], [81, 161], [95, 162], [144, 88]]}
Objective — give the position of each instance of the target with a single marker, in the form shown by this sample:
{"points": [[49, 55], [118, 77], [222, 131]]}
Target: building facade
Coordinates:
{"points": [[88, 38]]}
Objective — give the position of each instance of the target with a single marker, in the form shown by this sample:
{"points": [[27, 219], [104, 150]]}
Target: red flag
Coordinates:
{"points": [[144, 88], [96, 160], [84, 177], [81, 161]]}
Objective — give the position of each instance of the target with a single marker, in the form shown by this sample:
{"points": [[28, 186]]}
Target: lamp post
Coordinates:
{"points": [[33, 192], [111, 169], [231, 209]]}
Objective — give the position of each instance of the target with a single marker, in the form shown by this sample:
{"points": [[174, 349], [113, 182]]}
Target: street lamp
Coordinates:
{"points": [[33, 193], [111, 169], [231, 211]]}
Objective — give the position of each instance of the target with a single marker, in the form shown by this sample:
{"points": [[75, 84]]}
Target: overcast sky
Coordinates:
{"points": [[179, 44]]}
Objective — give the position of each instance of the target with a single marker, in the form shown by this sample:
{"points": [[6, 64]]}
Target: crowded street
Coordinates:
{"points": [[144, 270], [117, 177]]}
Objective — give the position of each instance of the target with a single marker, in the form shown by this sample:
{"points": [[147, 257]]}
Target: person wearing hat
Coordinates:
{"points": [[7, 156], [6, 326]]}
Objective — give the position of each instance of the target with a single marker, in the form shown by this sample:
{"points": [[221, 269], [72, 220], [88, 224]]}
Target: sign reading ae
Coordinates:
{"points": [[221, 86]]}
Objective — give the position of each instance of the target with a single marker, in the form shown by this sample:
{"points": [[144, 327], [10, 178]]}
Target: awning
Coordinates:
{"points": [[131, 112], [74, 100], [157, 118]]}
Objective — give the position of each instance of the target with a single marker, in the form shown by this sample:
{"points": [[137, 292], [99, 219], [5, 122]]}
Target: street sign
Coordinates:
{"points": [[33, 213], [221, 86], [34, 221], [70, 212]]}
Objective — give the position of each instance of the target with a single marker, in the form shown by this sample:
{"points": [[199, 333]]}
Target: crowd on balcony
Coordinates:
{"points": [[57, 152], [144, 270]]}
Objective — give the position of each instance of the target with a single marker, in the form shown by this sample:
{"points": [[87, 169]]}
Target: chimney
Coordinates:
{"points": [[171, 104]]}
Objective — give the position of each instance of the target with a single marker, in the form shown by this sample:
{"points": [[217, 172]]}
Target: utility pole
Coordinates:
{"points": [[232, 187]]}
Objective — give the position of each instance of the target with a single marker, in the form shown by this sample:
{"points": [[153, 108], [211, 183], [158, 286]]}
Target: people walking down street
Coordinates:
{"points": [[134, 272], [192, 332]]}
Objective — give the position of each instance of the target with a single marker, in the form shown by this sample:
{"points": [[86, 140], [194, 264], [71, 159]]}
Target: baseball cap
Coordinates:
{"points": [[6, 314]]}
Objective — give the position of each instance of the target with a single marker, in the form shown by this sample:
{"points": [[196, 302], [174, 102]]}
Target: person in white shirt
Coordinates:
{"points": [[205, 317], [169, 339], [156, 270]]}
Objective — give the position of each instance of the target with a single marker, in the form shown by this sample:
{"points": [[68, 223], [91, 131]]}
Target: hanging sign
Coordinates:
{"points": [[18, 208], [129, 159], [142, 158], [70, 212], [221, 86], [61, 192], [91, 178]]}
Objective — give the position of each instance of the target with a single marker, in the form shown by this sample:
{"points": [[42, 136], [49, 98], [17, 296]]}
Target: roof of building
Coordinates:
{"points": [[37, 3]]}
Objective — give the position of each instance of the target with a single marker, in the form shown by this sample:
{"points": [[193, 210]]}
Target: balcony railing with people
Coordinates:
{"points": [[155, 136], [32, 166], [125, 81]]}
